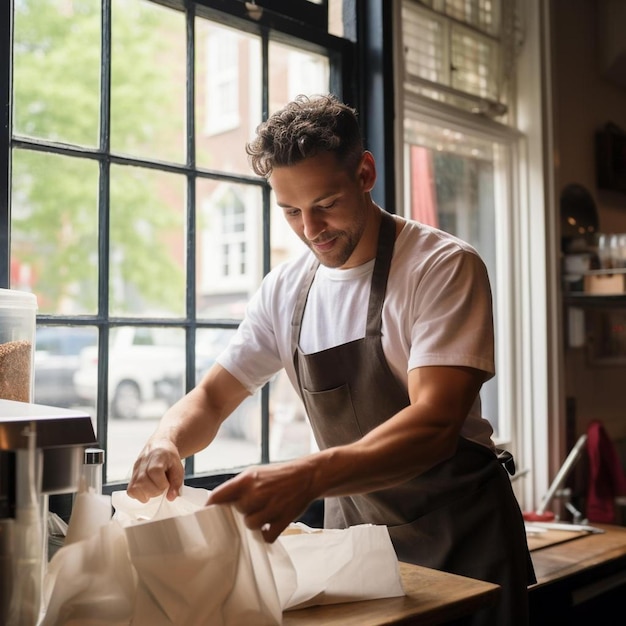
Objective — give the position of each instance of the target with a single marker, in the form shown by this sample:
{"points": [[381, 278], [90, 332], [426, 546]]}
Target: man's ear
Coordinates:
{"points": [[367, 171]]}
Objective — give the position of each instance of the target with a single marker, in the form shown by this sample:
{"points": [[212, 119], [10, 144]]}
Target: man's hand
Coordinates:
{"points": [[270, 496], [186, 427], [158, 468]]}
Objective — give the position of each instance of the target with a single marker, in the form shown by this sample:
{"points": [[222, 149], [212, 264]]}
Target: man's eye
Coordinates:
{"points": [[328, 206], [292, 212]]}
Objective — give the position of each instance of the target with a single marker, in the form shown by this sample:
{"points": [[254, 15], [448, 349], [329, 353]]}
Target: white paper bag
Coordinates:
{"points": [[182, 563], [163, 563], [202, 568], [332, 566], [91, 582], [130, 511]]}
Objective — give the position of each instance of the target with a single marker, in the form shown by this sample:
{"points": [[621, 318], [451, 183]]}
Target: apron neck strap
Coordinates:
{"points": [[386, 242]]}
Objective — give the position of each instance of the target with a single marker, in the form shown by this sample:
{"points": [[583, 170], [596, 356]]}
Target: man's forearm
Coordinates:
{"points": [[187, 427], [192, 423], [415, 439], [395, 452], [188, 424]]}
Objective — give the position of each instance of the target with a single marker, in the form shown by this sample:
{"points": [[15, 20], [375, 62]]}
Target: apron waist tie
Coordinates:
{"points": [[505, 458]]}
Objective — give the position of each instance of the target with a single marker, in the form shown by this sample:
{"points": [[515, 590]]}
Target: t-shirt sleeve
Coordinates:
{"points": [[252, 355], [453, 317]]}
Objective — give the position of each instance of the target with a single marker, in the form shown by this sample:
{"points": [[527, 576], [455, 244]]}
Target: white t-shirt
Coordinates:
{"points": [[437, 311]]}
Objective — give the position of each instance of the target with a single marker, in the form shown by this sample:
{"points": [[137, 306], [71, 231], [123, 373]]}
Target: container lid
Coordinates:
{"points": [[17, 299], [94, 456]]}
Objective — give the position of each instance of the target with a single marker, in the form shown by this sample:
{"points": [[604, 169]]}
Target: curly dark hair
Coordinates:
{"points": [[304, 128]]}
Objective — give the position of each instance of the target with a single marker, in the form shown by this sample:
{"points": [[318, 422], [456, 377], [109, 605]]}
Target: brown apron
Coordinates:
{"points": [[460, 516]]}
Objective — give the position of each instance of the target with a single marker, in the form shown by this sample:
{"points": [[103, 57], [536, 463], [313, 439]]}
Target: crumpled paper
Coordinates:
{"points": [[332, 565]]}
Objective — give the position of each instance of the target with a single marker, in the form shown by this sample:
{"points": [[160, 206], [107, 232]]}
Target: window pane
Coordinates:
{"points": [[148, 80], [57, 358], [335, 17], [425, 44], [54, 231], [474, 59], [483, 14], [229, 264], [146, 373], [239, 437], [228, 96], [147, 251], [294, 72], [56, 80]]}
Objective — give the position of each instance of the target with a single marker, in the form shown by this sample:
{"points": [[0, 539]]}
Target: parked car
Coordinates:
{"points": [[144, 365], [57, 358]]}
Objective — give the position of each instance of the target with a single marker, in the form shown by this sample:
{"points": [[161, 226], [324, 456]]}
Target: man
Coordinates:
{"points": [[385, 329]]}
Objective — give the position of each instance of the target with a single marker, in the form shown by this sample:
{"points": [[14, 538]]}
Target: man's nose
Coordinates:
{"points": [[313, 224]]}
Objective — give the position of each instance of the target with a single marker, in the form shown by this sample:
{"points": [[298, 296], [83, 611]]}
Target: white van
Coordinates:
{"points": [[145, 364]]}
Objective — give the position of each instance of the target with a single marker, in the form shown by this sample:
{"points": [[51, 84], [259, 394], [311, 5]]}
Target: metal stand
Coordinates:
{"points": [[560, 477], [565, 496]]}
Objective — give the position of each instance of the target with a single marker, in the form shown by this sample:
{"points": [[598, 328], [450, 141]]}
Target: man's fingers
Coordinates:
{"points": [[264, 497], [175, 477], [257, 512], [172, 493], [137, 493], [271, 530], [230, 491], [153, 476]]}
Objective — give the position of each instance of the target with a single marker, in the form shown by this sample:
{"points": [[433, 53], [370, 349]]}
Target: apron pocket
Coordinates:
{"points": [[332, 416]]}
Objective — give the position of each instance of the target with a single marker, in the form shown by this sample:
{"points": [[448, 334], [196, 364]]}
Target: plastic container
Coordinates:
{"points": [[91, 474], [18, 314]]}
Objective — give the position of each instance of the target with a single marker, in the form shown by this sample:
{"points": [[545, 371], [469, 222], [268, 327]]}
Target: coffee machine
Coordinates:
{"points": [[42, 451]]}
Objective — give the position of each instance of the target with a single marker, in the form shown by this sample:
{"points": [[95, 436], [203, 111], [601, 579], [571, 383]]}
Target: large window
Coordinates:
{"points": [[460, 155], [458, 177], [135, 217]]}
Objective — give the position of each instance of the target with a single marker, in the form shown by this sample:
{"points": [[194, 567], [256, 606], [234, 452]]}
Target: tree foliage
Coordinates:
{"points": [[56, 198]]}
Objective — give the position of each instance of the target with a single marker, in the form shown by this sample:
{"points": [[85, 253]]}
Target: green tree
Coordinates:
{"points": [[57, 65]]}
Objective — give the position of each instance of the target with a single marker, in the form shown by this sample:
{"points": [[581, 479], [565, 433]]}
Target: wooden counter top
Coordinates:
{"points": [[432, 597], [578, 554], [580, 579]]}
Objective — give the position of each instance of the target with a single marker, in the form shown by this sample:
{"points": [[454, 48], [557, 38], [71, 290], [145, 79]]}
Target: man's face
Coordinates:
{"points": [[329, 208]]}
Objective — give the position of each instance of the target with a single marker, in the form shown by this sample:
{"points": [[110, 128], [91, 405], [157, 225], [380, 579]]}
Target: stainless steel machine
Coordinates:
{"points": [[41, 453]]}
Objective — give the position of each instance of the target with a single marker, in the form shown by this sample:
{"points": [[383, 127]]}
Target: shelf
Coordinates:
{"points": [[594, 288], [590, 300]]}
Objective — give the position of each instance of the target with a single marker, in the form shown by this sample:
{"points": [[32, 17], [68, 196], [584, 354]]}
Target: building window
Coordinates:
{"points": [[134, 215], [234, 233], [222, 80]]}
